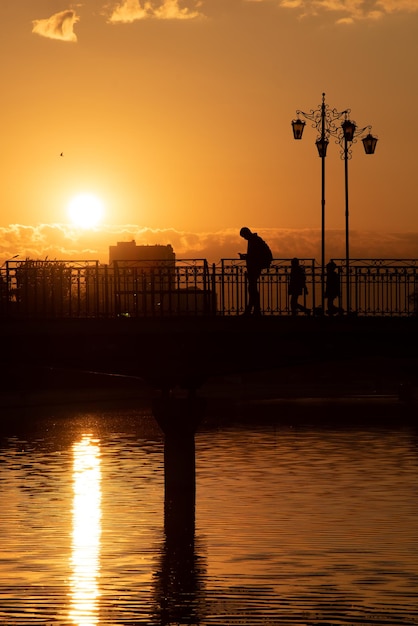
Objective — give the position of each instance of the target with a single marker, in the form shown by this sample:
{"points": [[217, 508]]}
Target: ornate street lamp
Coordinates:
{"points": [[324, 120], [369, 143], [349, 128], [322, 145], [298, 126], [350, 134]]}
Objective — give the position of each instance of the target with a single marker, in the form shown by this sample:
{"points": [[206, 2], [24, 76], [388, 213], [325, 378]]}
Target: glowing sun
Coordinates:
{"points": [[85, 210]]}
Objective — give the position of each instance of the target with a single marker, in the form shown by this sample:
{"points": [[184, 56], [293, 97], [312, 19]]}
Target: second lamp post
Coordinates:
{"points": [[350, 133]]}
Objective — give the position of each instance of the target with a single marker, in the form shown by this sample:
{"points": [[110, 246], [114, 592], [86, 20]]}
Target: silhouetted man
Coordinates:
{"points": [[258, 257]]}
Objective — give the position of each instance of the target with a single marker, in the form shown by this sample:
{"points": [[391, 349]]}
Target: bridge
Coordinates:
{"points": [[177, 356], [176, 328]]}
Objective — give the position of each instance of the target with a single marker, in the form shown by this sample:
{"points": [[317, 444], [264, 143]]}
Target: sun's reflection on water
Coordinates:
{"points": [[86, 530]]}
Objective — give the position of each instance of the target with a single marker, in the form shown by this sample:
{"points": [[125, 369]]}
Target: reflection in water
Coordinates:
{"points": [[86, 532], [291, 525], [178, 579]]}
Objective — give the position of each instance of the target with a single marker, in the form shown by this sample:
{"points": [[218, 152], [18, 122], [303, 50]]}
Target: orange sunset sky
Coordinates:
{"points": [[176, 115]]}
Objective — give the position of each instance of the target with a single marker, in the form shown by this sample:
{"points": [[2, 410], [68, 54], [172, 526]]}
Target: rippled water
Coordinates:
{"points": [[291, 525]]}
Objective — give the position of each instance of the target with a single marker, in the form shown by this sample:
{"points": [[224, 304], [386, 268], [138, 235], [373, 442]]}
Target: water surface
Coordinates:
{"points": [[291, 525]]}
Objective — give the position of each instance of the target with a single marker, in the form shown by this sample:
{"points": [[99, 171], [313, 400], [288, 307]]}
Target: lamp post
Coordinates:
{"points": [[324, 120], [348, 135]]}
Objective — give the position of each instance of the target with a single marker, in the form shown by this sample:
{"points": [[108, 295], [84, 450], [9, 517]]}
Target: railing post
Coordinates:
{"points": [[213, 294], [245, 289], [313, 287]]}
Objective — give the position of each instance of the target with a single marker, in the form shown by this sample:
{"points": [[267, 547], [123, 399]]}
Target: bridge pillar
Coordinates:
{"points": [[179, 492], [179, 418]]}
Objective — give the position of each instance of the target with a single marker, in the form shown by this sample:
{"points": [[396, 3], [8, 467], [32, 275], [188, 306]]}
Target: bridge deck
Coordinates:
{"points": [[186, 351], [235, 364]]}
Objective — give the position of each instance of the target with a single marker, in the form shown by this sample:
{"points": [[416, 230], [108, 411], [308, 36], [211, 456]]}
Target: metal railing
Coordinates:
{"points": [[382, 287], [229, 279], [79, 289]]}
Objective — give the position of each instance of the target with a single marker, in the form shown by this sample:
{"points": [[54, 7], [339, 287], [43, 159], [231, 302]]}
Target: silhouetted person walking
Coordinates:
{"points": [[332, 288], [297, 287], [257, 257]]}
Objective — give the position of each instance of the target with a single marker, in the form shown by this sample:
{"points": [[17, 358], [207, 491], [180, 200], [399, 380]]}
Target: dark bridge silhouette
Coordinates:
{"points": [[175, 327], [183, 353]]}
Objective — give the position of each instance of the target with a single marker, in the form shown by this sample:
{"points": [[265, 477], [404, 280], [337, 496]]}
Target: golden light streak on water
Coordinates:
{"points": [[86, 532]]}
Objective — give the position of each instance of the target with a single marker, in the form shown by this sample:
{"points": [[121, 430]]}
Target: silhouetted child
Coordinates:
{"points": [[332, 288], [297, 287]]}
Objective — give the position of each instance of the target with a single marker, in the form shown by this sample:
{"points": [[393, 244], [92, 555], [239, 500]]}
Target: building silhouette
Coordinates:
{"points": [[143, 276], [149, 256]]}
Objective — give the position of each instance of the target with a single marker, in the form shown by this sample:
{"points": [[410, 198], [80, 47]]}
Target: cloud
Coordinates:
{"points": [[62, 242], [132, 10], [351, 10], [129, 11], [58, 26], [392, 6], [170, 10]]}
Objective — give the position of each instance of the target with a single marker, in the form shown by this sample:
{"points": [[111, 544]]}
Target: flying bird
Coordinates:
{"points": [[61, 154]]}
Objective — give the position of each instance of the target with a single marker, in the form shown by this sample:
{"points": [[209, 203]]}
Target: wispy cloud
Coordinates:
{"points": [[349, 11], [58, 26], [62, 242], [132, 10]]}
